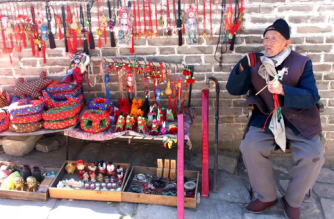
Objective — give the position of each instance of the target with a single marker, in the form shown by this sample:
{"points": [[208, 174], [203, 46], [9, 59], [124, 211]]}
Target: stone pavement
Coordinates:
{"points": [[228, 202]]}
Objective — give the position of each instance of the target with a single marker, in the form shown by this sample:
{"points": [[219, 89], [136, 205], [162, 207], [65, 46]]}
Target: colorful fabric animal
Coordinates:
{"points": [[136, 108], [32, 89]]}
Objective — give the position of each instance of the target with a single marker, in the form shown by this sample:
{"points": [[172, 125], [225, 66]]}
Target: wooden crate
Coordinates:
{"points": [[41, 194], [85, 194], [156, 199]]}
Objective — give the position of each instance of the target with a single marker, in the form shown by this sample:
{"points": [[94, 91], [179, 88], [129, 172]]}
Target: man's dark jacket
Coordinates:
{"points": [[300, 95]]}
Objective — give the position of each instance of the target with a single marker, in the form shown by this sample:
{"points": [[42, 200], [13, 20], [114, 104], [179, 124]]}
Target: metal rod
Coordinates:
{"points": [[66, 140], [191, 68], [215, 171]]}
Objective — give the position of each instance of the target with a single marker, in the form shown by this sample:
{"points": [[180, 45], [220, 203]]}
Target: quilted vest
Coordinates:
{"points": [[307, 121]]}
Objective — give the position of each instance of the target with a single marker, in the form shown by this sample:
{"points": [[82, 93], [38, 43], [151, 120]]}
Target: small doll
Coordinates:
{"points": [[85, 177], [120, 174], [92, 167], [102, 167], [155, 127], [110, 169], [80, 168], [141, 125], [120, 123]]}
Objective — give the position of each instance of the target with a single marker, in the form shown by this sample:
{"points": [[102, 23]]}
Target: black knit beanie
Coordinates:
{"points": [[280, 26]]}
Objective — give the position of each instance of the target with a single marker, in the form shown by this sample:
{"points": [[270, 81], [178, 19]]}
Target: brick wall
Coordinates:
{"points": [[312, 28]]}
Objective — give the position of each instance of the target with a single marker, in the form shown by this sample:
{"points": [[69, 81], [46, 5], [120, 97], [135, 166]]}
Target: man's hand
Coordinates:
{"points": [[275, 87], [250, 60]]}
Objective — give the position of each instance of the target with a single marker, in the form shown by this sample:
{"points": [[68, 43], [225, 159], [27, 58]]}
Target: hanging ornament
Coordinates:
{"points": [[192, 25]]}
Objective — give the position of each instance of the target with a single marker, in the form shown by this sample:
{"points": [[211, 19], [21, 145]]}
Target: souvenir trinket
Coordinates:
{"points": [[19, 183], [32, 183]]}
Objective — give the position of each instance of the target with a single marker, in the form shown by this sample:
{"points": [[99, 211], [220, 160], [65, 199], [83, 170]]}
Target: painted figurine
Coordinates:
{"points": [[81, 168], [32, 183], [120, 123], [155, 127], [19, 183], [130, 122], [141, 125], [110, 169], [102, 167], [85, 177], [120, 174], [70, 168]]}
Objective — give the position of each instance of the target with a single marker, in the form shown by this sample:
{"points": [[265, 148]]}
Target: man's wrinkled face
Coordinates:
{"points": [[274, 43]]}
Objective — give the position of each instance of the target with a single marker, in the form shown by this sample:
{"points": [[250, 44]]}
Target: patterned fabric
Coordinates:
{"points": [[4, 101], [32, 89], [51, 103], [30, 118], [25, 107], [17, 99], [100, 103], [4, 121], [61, 124], [94, 121], [57, 87], [23, 128], [62, 112], [62, 95]]}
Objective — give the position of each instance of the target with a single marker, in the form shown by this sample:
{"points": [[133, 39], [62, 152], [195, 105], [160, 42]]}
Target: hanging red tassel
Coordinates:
{"points": [[75, 42], [105, 36], [32, 46], [132, 50], [60, 35], [69, 46], [43, 52], [24, 40]]}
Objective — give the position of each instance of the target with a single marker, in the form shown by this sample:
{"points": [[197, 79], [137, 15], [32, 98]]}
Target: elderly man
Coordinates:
{"points": [[285, 113]]}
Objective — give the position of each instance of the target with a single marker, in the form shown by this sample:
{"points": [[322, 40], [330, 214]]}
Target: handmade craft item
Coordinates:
{"points": [[62, 112], [32, 184], [25, 107], [32, 89], [77, 69], [129, 123], [70, 168], [27, 127], [120, 123], [19, 183], [61, 123], [94, 121]]}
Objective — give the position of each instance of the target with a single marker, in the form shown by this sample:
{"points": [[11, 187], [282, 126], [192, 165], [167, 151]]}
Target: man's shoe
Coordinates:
{"points": [[289, 211], [257, 206]]}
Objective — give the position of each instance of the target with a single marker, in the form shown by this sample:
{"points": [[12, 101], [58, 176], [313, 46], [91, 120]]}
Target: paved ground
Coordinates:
{"points": [[228, 202]]}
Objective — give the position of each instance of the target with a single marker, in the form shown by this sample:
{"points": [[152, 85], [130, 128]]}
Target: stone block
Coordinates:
{"points": [[19, 145], [47, 144]]}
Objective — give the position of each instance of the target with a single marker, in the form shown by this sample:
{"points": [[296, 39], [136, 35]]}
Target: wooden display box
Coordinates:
{"points": [[82, 193], [156, 199], [42, 192]]}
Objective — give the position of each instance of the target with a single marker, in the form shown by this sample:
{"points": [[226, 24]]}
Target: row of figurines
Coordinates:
{"points": [[101, 168]]}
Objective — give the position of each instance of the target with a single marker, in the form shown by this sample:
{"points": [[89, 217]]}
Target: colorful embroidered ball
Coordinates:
{"points": [[101, 103], [95, 121], [62, 112], [62, 95], [51, 103], [31, 89], [4, 121], [56, 87], [25, 107], [30, 118], [28, 127], [61, 124]]}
